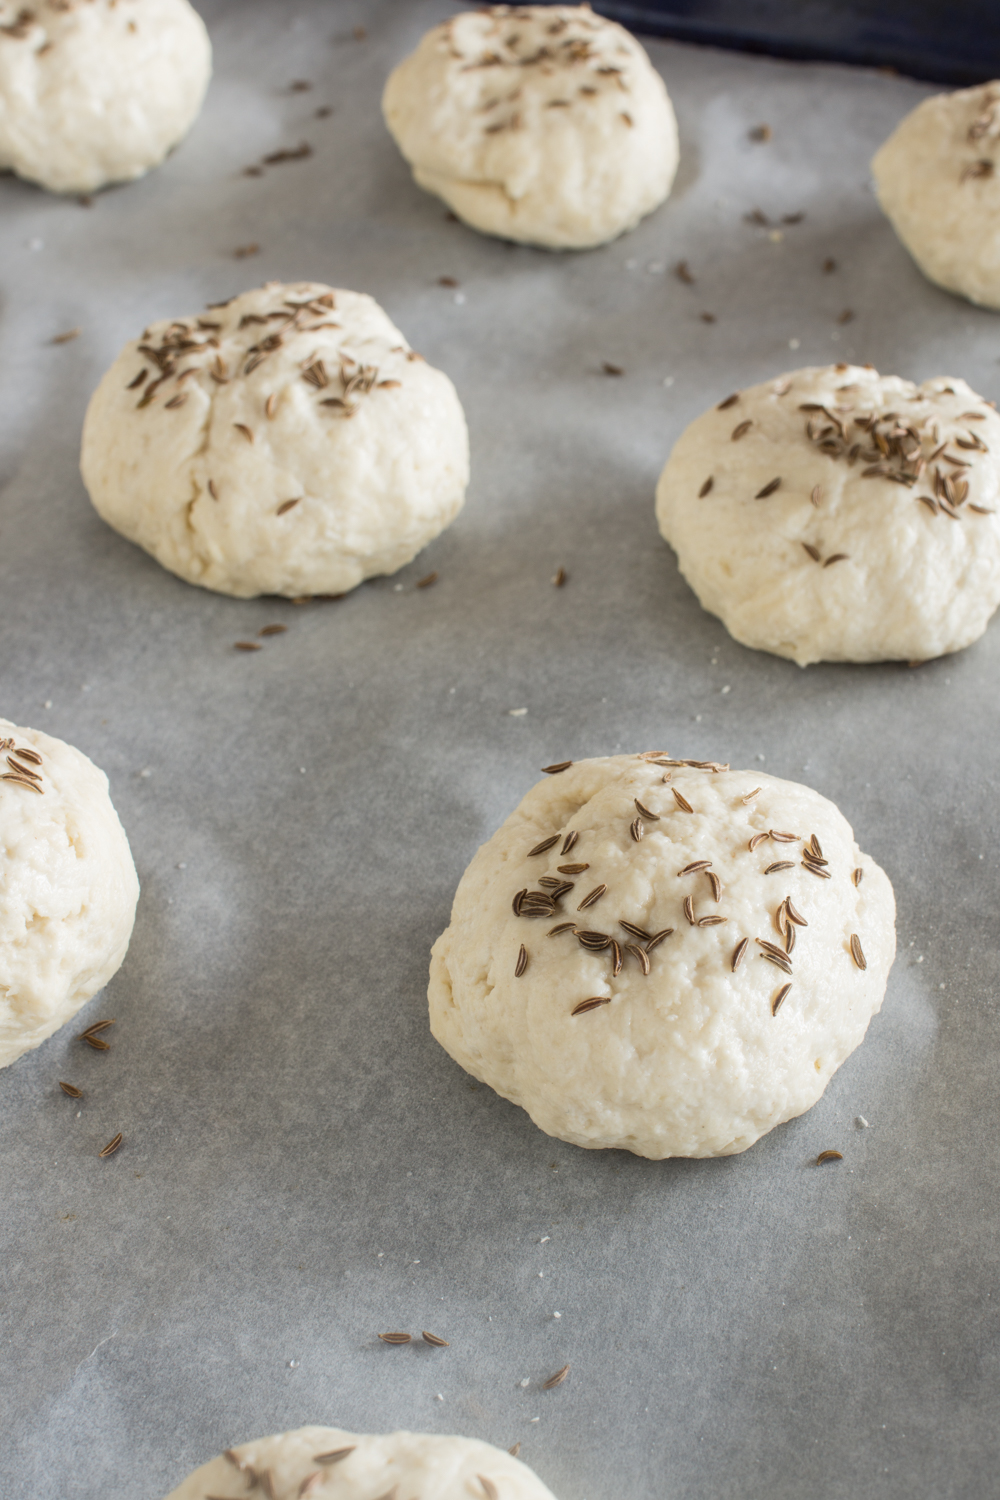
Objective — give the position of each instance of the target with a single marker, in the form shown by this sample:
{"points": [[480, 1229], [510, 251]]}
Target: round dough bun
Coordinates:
{"points": [[541, 123], [68, 887], [288, 442], [672, 867], [836, 514], [311, 1462], [97, 91], [938, 181]]}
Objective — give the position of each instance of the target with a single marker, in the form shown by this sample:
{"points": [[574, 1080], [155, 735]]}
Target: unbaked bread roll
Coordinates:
{"points": [[541, 123], [314, 1463], [938, 181], [836, 514], [68, 887], [288, 442], [665, 956], [97, 91]]}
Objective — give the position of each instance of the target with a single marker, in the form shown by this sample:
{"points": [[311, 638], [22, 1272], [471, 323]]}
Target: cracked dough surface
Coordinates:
{"points": [[68, 888], [422, 1466], [545, 124], [97, 91], [938, 181], [688, 1060], [290, 443], [895, 577]]}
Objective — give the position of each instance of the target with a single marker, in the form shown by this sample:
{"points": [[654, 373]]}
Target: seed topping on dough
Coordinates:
{"points": [[595, 895], [336, 1455], [543, 846], [857, 952], [682, 802], [706, 488], [556, 1379], [490, 1490], [591, 1004], [522, 961], [21, 764], [768, 489], [779, 998], [738, 952], [857, 876], [741, 430]]}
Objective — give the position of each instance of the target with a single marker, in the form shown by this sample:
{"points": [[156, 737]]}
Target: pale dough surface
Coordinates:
{"points": [[688, 1060], [290, 443], [68, 888], [545, 124], [938, 181], [393, 1466], [906, 481], [97, 91]]}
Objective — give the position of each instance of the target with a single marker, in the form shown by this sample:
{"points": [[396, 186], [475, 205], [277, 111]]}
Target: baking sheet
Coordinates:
{"points": [[303, 1166]]}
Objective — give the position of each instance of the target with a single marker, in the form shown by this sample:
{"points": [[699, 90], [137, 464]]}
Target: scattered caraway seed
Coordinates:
{"points": [[572, 836], [858, 876], [97, 1042], [639, 932], [247, 646], [760, 133], [556, 1379], [522, 961], [287, 505], [816, 495], [645, 812], [434, 1341], [829, 265], [310, 1483], [741, 430], [689, 910], [693, 869], [514, 1450], [545, 845], [334, 1456], [758, 838], [683, 273], [591, 1004], [711, 921], [242, 428], [595, 895], [707, 317], [845, 316], [96, 1027], [857, 953], [779, 864], [610, 369], [447, 281], [715, 883], [425, 583], [636, 830], [706, 488], [751, 795], [729, 401], [572, 869], [559, 577], [682, 802], [768, 489], [562, 927], [243, 252], [738, 953], [272, 630], [395, 1338], [814, 552], [562, 765], [67, 337], [794, 915], [71, 1089], [837, 557], [617, 958], [112, 1146], [779, 997], [489, 1488], [658, 938], [639, 955], [825, 1156]]}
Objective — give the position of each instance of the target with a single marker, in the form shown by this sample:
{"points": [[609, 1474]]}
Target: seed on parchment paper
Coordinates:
{"points": [[272, 630], [71, 1089], [395, 1338], [96, 1027], [729, 401], [559, 577], [562, 765], [247, 646], [97, 1042], [112, 1146], [514, 1449], [434, 1341], [825, 1156], [556, 1379], [683, 273], [610, 369]]}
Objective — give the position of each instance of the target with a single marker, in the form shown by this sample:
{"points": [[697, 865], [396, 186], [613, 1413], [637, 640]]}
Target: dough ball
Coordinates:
{"points": [[836, 514], [68, 887], [97, 91], [542, 123], [938, 181], [289, 442], [664, 956], [324, 1461]]}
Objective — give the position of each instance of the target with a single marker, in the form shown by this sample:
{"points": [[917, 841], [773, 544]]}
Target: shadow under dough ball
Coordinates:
{"points": [[663, 956], [835, 514], [68, 887], [545, 124], [97, 91], [287, 442], [938, 182]]}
